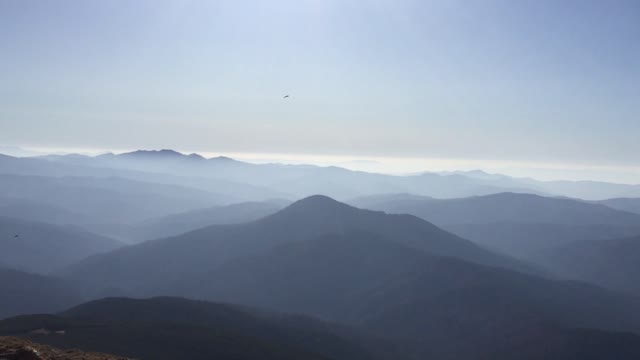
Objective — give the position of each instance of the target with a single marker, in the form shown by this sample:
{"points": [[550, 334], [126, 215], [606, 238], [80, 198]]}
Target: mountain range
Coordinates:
{"points": [[521, 225], [612, 263], [153, 267], [380, 273], [161, 255], [179, 223], [247, 182]]}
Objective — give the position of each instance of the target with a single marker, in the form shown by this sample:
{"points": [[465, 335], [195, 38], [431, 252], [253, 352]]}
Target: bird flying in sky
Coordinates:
{"points": [[286, 96]]}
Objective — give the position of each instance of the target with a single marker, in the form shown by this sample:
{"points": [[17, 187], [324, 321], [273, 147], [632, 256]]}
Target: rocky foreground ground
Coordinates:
{"points": [[13, 348]]}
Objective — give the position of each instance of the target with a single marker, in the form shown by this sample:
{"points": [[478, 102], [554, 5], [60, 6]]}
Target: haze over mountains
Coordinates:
{"points": [[154, 267], [41, 248], [522, 225], [612, 262], [377, 180], [25, 293], [248, 181], [175, 224], [296, 261]]}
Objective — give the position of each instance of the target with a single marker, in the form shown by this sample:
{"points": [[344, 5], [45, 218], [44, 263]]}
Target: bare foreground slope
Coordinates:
{"points": [[13, 348]]}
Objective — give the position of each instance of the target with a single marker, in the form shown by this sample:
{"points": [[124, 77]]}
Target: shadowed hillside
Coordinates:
{"points": [[24, 293], [151, 268], [173, 328]]}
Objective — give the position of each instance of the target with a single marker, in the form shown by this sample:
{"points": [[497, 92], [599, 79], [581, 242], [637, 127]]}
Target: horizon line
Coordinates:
{"points": [[386, 165]]}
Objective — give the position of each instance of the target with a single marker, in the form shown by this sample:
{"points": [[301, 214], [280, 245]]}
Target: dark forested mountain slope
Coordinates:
{"points": [[174, 328], [171, 328]]}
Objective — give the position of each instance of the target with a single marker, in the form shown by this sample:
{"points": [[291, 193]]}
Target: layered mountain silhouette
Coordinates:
{"points": [[169, 328], [303, 180], [106, 199], [513, 271], [531, 241], [41, 248], [439, 295], [175, 224], [34, 210], [92, 168], [613, 263], [252, 182], [175, 328], [261, 181], [521, 225], [357, 276], [25, 293], [430, 306], [503, 207], [625, 204], [151, 267]]}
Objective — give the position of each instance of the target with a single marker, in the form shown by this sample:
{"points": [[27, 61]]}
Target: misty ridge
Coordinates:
{"points": [[155, 254]]}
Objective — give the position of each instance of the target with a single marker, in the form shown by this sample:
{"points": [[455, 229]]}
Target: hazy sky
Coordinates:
{"points": [[519, 81]]}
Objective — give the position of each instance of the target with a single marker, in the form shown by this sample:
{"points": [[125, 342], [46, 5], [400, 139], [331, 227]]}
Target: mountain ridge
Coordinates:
{"points": [[170, 259]]}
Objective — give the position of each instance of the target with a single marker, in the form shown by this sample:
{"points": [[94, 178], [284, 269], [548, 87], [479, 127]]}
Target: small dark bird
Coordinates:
{"points": [[286, 96], [16, 236]]}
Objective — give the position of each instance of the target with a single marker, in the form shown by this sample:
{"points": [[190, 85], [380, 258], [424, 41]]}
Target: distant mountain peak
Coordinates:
{"points": [[163, 152], [316, 204], [315, 200], [151, 153], [511, 195], [160, 154], [106, 155], [221, 159], [194, 156]]}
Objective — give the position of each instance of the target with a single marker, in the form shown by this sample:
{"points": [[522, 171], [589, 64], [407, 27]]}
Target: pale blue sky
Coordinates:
{"points": [[525, 81]]}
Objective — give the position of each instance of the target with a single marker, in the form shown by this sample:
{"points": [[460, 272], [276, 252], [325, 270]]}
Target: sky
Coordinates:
{"points": [[548, 86]]}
